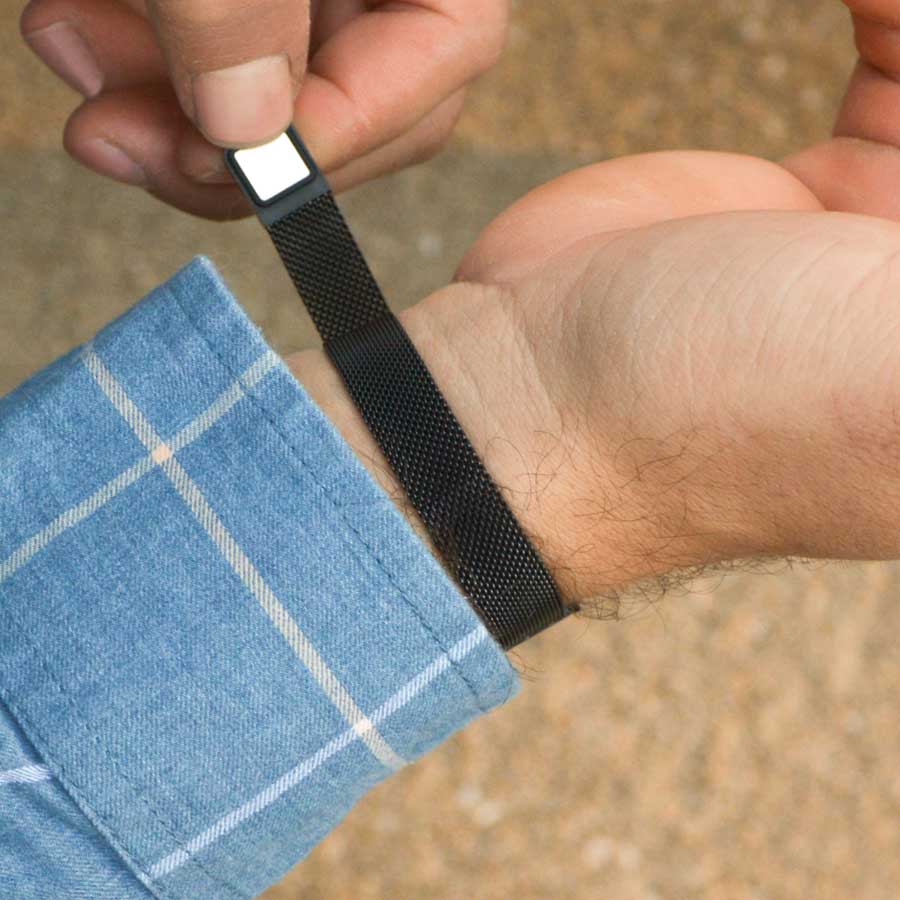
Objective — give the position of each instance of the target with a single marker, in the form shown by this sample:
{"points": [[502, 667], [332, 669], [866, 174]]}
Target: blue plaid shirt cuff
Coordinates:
{"points": [[216, 630]]}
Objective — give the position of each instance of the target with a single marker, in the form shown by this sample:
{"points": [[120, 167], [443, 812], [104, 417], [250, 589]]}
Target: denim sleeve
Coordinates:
{"points": [[216, 630]]}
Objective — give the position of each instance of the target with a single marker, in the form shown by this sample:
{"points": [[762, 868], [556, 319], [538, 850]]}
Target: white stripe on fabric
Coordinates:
{"points": [[240, 563], [259, 369], [30, 774], [250, 378], [291, 779], [72, 516], [280, 617], [119, 399]]}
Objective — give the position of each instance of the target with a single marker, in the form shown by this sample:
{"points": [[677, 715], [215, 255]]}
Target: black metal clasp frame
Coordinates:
{"points": [[277, 177]]}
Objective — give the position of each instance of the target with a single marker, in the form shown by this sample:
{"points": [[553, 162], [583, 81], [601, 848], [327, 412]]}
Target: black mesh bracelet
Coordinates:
{"points": [[472, 527]]}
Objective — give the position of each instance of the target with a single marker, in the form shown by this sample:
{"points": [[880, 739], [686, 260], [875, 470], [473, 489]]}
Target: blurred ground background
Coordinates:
{"points": [[740, 742]]}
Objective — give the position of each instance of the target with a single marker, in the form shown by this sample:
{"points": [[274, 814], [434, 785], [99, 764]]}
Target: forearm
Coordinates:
{"points": [[553, 464], [465, 336], [630, 445]]}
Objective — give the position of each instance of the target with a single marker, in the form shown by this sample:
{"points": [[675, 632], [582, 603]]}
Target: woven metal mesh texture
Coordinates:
{"points": [[327, 268], [471, 525]]}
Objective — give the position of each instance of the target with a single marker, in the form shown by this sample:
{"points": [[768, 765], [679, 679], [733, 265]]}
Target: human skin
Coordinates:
{"points": [[677, 360], [681, 359], [376, 85], [695, 364], [373, 85]]}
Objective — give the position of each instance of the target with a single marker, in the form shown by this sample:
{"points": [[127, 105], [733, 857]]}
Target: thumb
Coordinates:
{"points": [[234, 64]]}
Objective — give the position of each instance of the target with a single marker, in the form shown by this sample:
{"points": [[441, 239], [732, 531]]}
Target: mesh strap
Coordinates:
{"points": [[473, 529], [471, 525], [328, 269]]}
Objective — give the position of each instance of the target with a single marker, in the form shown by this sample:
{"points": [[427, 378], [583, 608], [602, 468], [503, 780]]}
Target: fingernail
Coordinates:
{"points": [[113, 161], [66, 52], [245, 104]]}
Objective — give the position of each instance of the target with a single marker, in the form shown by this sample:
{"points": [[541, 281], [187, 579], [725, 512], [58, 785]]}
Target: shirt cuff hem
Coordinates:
{"points": [[217, 629]]}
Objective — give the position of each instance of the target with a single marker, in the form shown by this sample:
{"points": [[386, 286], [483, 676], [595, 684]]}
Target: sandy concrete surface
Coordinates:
{"points": [[738, 742]]}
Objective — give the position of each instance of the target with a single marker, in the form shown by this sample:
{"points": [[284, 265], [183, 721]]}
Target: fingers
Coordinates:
{"points": [[328, 17], [386, 88], [234, 64], [857, 170], [131, 135], [198, 159], [136, 136], [851, 175], [384, 71], [626, 193], [132, 126], [417, 145], [93, 45]]}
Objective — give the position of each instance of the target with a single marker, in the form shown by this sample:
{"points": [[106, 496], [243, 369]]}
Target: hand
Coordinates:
{"points": [[859, 168], [372, 86], [677, 360], [662, 377]]}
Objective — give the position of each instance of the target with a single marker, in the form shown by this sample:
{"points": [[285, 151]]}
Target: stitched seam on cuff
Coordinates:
{"points": [[66, 779], [256, 397], [78, 792]]}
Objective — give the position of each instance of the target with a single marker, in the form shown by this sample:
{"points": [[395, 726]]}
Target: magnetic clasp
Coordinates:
{"points": [[271, 169]]}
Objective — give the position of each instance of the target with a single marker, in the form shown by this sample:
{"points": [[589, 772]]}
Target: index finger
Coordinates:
{"points": [[385, 70]]}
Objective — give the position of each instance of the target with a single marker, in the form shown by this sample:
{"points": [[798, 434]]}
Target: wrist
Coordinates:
{"points": [[520, 410], [321, 380]]}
